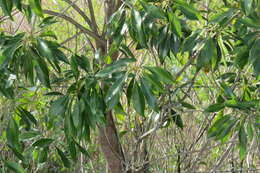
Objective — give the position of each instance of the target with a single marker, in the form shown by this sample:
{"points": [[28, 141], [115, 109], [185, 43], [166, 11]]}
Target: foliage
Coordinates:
{"points": [[219, 43]]}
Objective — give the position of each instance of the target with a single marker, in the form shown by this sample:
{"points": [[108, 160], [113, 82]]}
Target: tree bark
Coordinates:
{"points": [[110, 145]]}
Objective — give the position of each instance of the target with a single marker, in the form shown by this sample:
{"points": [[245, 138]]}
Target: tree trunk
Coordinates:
{"points": [[110, 145]]}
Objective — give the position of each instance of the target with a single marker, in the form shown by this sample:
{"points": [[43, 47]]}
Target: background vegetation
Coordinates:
{"points": [[129, 86]]}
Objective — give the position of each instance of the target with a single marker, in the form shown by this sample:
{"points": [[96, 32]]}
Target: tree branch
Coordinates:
{"points": [[92, 15], [82, 13], [77, 25]]}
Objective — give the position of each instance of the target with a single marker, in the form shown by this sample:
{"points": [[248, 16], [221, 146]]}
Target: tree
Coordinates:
{"points": [[113, 77]]}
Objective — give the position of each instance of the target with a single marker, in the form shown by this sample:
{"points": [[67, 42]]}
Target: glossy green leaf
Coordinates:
{"points": [[63, 157], [14, 167], [28, 115], [187, 105], [154, 81], [44, 48], [18, 154], [190, 42], [177, 119], [175, 24], [138, 99], [12, 134], [247, 6], [48, 21], [112, 95], [115, 66], [163, 75], [190, 12], [207, 54], [59, 106], [249, 22], [36, 7], [44, 142], [83, 62], [29, 134], [18, 4], [222, 18], [153, 11], [82, 150], [73, 150], [137, 24], [254, 56], [43, 155], [242, 142], [50, 34], [226, 129], [126, 51], [149, 96], [6, 6], [217, 126], [242, 56], [129, 91], [215, 107]]}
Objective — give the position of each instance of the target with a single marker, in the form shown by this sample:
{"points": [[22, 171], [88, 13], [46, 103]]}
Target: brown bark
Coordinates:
{"points": [[110, 145]]}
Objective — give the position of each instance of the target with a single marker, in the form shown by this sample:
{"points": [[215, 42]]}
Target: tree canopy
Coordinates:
{"points": [[123, 72]]}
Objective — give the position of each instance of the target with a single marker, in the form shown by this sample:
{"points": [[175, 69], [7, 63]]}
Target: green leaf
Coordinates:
{"points": [[153, 11], [250, 22], [187, 105], [28, 115], [44, 142], [217, 127], [215, 107], [44, 48], [177, 119], [43, 155], [190, 12], [73, 150], [14, 167], [222, 18], [191, 41], [115, 66], [254, 57], [242, 54], [207, 54], [137, 24], [12, 134], [247, 6], [17, 154], [154, 81], [226, 129], [113, 92], [129, 91], [63, 157], [228, 91], [41, 68], [163, 75], [126, 51], [138, 99], [82, 150], [48, 34], [147, 92], [9, 52], [48, 21], [29, 134], [83, 62], [7, 6], [18, 4], [175, 24], [59, 106], [242, 142], [36, 7], [74, 66]]}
